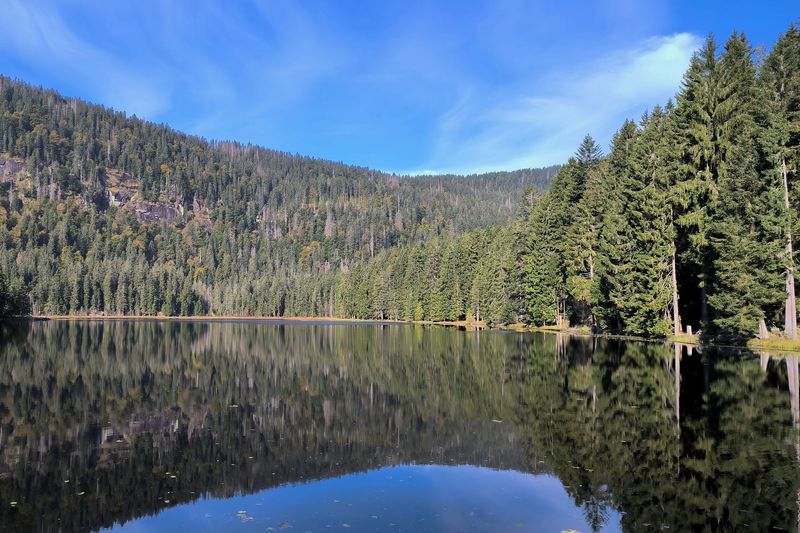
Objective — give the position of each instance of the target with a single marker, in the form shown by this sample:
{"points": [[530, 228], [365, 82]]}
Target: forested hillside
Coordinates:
{"points": [[104, 213], [690, 220]]}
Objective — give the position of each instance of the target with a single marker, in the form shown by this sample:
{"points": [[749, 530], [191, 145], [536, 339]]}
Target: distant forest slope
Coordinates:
{"points": [[105, 213]]}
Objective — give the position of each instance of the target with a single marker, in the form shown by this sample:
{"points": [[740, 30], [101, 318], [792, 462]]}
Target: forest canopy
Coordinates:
{"points": [[101, 213]]}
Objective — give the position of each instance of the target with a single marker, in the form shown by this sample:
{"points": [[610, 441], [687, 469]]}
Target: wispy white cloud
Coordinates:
{"points": [[197, 63], [435, 87], [41, 37], [541, 122]]}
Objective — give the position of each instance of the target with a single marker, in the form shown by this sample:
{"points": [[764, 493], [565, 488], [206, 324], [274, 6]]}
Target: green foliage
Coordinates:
{"points": [[748, 231], [109, 214], [448, 279], [14, 299], [699, 184]]}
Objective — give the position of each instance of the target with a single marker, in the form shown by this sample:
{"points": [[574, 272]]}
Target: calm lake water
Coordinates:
{"points": [[207, 426]]}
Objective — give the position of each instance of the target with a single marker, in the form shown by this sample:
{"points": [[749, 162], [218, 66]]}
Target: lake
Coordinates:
{"points": [[271, 426]]}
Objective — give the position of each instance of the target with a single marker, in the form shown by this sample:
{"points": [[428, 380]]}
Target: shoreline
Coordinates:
{"points": [[779, 345], [209, 318]]}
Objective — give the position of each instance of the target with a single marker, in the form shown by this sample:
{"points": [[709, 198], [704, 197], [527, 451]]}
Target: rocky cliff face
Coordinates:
{"points": [[9, 169], [121, 191]]}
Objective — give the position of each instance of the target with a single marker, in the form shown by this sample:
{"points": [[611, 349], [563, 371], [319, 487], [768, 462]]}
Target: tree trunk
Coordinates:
{"points": [[678, 349], [703, 305], [794, 402], [790, 324], [676, 316]]}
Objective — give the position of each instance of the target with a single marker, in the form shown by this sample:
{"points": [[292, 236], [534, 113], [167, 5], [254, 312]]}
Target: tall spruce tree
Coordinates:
{"points": [[780, 83], [649, 217], [696, 192], [586, 206], [543, 265], [611, 289], [549, 221], [747, 234]]}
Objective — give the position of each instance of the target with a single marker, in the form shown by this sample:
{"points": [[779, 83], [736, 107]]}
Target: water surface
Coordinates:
{"points": [[153, 426]]}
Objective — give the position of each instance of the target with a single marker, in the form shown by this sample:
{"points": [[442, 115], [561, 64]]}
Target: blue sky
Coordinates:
{"points": [[407, 86]]}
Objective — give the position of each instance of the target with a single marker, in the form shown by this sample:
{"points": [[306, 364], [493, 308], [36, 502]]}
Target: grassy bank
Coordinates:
{"points": [[776, 344]]}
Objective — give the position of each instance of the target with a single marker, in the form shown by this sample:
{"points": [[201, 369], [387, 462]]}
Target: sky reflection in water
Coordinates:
{"points": [[393, 499]]}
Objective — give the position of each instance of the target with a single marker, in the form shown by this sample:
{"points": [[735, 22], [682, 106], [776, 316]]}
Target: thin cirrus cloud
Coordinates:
{"points": [[433, 89], [542, 124], [40, 39], [199, 67]]}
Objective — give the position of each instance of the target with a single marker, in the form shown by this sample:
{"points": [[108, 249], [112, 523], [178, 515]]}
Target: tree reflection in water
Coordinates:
{"points": [[102, 422]]}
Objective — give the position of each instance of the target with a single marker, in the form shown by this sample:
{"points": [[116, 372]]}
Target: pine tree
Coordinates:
{"points": [[581, 240], [649, 217], [589, 153], [748, 231], [696, 192], [611, 289], [550, 219], [780, 83], [545, 284], [442, 291]]}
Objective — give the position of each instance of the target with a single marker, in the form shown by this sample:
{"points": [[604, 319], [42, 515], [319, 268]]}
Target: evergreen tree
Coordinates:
{"points": [[581, 239], [545, 284], [749, 228], [649, 217], [780, 83], [696, 192], [611, 289]]}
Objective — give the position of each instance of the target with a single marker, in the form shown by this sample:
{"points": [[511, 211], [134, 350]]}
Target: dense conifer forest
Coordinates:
{"points": [[104, 213], [689, 219]]}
